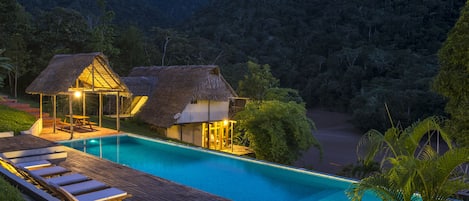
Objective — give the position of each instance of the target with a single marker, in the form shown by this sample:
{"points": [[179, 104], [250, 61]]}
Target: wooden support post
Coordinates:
{"points": [[40, 106], [208, 125], [84, 103], [117, 112], [70, 112], [54, 111], [231, 125], [204, 135], [100, 109]]}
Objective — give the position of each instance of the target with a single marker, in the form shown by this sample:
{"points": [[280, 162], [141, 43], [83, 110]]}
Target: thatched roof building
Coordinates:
{"points": [[80, 74], [174, 87], [140, 85], [84, 72]]}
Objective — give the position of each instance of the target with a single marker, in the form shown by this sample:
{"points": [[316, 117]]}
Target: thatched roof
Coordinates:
{"points": [[140, 85], [175, 87], [85, 71]]}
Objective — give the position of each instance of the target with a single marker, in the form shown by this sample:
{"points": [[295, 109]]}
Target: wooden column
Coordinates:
{"points": [[40, 106], [54, 112], [100, 109], [232, 127], [208, 125], [117, 112], [84, 103], [70, 112]]}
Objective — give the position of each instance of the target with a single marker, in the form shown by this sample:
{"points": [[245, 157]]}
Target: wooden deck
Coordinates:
{"points": [[238, 150], [48, 134], [142, 186]]}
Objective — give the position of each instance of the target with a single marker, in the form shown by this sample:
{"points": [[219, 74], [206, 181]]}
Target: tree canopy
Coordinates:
{"points": [[277, 131], [274, 121], [452, 79], [350, 56]]}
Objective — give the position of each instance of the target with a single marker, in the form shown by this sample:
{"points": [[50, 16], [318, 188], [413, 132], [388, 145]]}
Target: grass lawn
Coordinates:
{"points": [[9, 192], [129, 125], [15, 120]]}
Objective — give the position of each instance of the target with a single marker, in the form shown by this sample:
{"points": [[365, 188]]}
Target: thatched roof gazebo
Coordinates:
{"points": [[67, 74], [171, 88]]}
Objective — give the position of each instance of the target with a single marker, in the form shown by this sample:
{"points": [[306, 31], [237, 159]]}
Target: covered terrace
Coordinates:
{"points": [[75, 75]]}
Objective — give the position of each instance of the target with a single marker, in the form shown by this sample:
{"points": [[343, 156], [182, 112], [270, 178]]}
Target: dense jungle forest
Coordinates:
{"points": [[354, 56]]}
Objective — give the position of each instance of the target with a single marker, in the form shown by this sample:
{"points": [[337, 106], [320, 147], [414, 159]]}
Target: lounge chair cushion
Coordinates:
{"points": [[67, 179], [83, 187], [48, 171], [106, 194], [34, 164]]}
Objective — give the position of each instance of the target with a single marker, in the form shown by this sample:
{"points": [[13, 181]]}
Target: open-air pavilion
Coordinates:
{"points": [[76, 75]]}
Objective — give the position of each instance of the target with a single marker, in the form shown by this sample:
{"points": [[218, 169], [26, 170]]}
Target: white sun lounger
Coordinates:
{"points": [[71, 186], [39, 154]]}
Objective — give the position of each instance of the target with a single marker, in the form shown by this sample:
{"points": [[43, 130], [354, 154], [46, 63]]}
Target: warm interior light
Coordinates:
{"points": [[77, 94], [225, 122]]}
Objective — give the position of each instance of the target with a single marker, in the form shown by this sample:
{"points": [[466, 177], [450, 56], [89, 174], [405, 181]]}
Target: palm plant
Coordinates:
{"points": [[396, 141], [410, 178], [5, 67], [415, 171]]}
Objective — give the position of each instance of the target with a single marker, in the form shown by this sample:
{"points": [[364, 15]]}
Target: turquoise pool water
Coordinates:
{"points": [[220, 174]]}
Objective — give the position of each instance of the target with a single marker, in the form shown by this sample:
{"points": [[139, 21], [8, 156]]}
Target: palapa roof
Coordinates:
{"points": [[175, 87], [140, 85], [83, 72]]}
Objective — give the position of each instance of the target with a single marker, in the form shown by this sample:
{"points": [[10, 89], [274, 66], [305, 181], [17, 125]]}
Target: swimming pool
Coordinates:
{"points": [[228, 176]]}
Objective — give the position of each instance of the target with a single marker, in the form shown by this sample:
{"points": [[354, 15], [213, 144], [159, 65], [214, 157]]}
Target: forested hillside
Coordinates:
{"points": [[141, 13], [352, 56], [347, 55]]}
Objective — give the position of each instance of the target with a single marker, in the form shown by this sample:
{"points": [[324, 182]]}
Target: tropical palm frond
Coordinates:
{"points": [[370, 144], [418, 130], [380, 185], [427, 153], [451, 160]]}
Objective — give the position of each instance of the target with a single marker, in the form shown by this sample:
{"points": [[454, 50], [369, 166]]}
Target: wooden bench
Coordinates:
{"points": [[89, 123], [63, 125], [84, 124]]}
